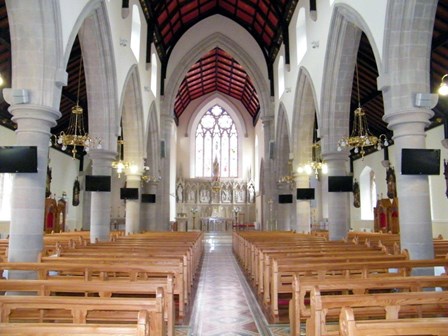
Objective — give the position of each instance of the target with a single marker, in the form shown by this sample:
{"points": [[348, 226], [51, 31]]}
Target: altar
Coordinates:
{"points": [[214, 224]]}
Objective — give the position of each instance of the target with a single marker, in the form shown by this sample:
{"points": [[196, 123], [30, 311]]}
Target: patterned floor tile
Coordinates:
{"points": [[224, 304]]}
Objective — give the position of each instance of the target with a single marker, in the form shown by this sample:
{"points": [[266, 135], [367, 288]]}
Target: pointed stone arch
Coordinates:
{"points": [[282, 141], [95, 39], [230, 46], [303, 118], [340, 59], [132, 118]]}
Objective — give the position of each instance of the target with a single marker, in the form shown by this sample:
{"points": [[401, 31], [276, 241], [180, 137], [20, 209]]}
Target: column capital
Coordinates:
{"points": [[133, 177], [397, 118], [102, 154], [267, 120], [335, 156], [32, 117]]}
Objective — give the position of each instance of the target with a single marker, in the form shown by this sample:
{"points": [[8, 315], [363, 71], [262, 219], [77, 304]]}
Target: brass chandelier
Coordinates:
{"points": [[147, 177], [76, 135], [315, 166], [120, 165], [289, 178], [361, 137]]}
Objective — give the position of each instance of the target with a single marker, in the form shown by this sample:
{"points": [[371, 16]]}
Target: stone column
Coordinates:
{"points": [[285, 212], [268, 201], [100, 201], [168, 172], [132, 219], [412, 190], [149, 210], [338, 203], [28, 196], [303, 207]]}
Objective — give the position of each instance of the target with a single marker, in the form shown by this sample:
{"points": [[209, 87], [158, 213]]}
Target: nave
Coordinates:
{"points": [[224, 303]]}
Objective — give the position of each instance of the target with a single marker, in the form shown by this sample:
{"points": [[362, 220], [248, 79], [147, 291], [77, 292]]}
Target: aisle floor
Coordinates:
{"points": [[224, 304]]}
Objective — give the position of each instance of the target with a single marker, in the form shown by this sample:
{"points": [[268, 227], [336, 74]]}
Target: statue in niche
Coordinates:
{"points": [[179, 193], [391, 183], [239, 195], [204, 196], [225, 196], [191, 196], [251, 190]]}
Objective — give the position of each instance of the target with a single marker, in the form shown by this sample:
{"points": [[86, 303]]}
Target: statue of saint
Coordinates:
{"points": [[251, 193], [445, 172], [179, 193], [215, 172], [356, 195], [391, 183]]}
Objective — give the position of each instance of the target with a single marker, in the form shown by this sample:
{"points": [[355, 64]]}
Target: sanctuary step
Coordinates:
{"points": [[218, 238]]}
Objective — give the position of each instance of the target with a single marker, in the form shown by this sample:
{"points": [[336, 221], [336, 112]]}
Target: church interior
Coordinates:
{"points": [[223, 167]]}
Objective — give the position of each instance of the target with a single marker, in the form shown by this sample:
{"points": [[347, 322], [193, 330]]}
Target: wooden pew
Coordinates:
{"points": [[82, 310], [299, 308], [141, 328], [349, 326], [91, 271], [278, 279], [110, 288], [385, 305]]}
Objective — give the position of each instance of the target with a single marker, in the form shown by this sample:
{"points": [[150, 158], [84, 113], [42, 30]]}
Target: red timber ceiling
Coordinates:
{"points": [[217, 71], [267, 21]]}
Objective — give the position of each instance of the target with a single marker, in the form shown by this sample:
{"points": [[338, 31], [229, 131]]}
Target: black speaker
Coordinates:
{"points": [[271, 149], [162, 149]]}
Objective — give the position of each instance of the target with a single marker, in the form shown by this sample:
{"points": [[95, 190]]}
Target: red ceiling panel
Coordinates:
{"points": [[259, 17], [217, 71]]}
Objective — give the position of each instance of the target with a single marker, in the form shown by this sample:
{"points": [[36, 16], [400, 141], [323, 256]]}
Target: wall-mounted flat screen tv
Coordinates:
{"points": [[340, 183], [420, 161], [305, 193], [285, 198], [18, 159], [128, 193], [148, 198], [98, 183]]}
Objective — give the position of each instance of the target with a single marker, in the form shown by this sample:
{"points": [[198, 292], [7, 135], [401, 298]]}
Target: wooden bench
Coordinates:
{"points": [[92, 271], [82, 310], [147, 288], [278, 279], [385, 306], [299, 308], [141, 328], [349, 326]]}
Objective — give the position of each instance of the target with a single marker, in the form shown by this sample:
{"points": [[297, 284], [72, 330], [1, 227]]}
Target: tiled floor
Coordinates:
{"points": [[224, 305]]}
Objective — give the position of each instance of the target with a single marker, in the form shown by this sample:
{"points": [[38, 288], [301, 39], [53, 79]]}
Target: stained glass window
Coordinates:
{"points": [[216, 137]]}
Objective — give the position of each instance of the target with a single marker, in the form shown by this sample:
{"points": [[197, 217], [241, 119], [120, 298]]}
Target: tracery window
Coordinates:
{"points": [[216, 137]]}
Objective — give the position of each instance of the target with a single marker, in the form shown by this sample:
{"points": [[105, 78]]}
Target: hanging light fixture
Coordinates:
{"points": [[315, 166], [443, 88], [289, 178], [120, 165], [76, 135], [361, 137], [147, 177]]}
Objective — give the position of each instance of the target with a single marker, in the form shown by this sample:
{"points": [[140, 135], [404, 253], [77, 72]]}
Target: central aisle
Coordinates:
{"points": [[224, 305]]}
